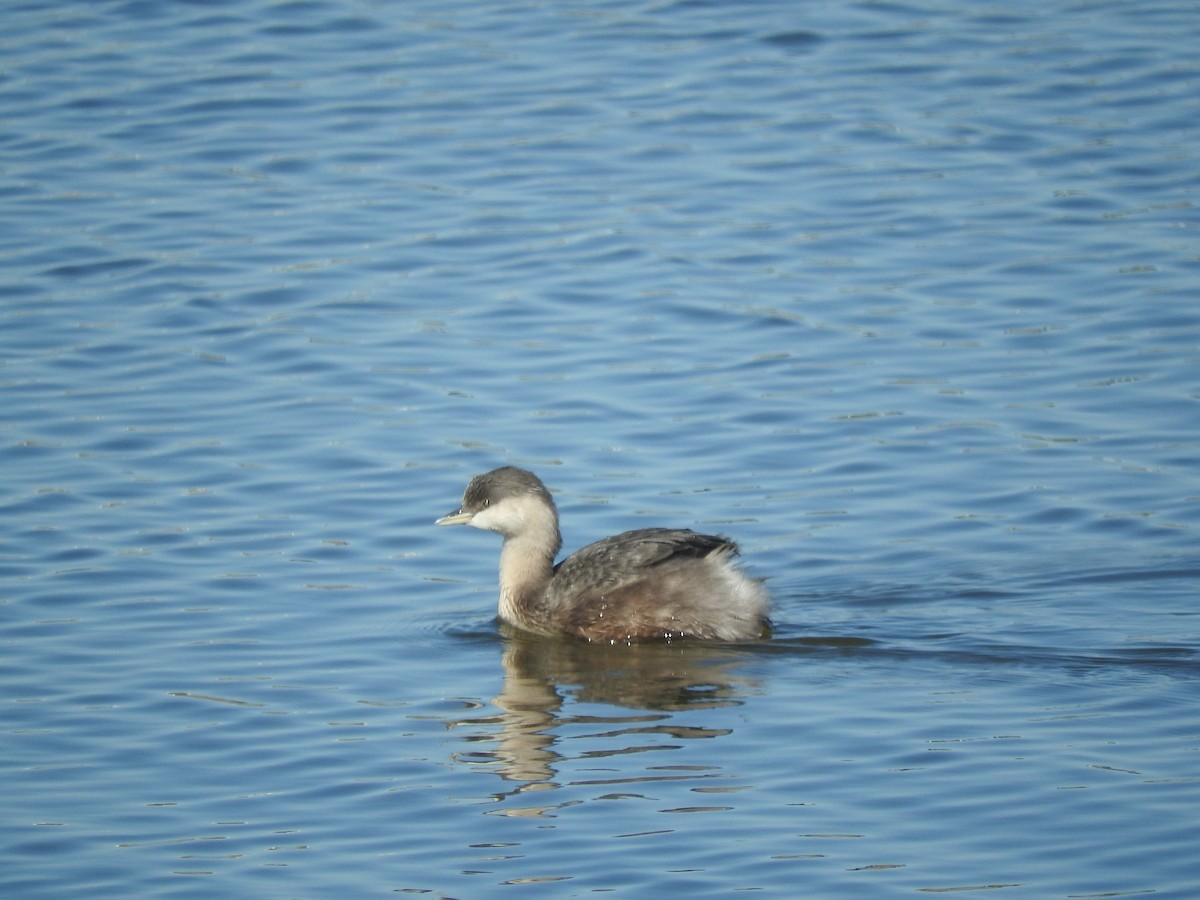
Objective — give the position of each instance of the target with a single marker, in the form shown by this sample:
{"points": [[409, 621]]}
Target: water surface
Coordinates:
{"points": [[901, 296]]}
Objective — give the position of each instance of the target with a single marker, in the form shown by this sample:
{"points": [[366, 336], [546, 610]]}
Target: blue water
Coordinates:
{"points": [[903, 297]]}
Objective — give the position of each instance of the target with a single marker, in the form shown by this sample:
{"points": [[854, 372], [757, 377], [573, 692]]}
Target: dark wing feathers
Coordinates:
{"points": [[615, 561]]}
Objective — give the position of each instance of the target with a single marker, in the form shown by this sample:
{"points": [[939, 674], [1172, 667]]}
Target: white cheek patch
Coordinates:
{"points": [[492, 518]]}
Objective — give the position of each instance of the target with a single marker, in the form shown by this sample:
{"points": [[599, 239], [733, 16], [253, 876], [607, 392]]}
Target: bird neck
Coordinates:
{"points": [[526, 567]]}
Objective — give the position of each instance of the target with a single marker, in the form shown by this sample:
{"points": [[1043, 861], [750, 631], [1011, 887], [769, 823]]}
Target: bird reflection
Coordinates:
{"points": [[655, 682]]}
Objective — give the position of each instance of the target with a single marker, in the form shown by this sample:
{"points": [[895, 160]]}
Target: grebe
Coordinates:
{"points": [[652, 583]]}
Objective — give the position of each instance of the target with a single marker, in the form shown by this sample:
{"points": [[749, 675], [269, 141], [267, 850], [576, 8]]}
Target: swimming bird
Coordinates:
{"points": [[648, 584]]}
